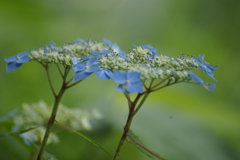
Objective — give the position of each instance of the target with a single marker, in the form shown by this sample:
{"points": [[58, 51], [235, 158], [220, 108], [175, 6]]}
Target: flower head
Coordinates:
{"points": [[16, 61], [206, 67], [129, 82]]}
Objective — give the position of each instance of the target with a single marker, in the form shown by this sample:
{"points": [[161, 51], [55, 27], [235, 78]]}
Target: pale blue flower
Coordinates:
{"points": [[104, 74], [209, 86], [83, 69], [16, 61], [206, 67], [129, 82]]}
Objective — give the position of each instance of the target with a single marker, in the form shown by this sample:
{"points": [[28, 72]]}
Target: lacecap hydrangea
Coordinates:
{"points": [[131, 71]]}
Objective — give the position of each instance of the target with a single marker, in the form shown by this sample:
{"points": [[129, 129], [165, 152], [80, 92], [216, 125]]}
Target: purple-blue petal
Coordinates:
{"points": [[103, 74], [22, 54], [11, 59], [133, 77], [196, 78], [107, 42], [80, 40], [75, 61], [80, 75], [24, 59], [119, 77], [134, 87], [210, 86], [79, 66], [13, 66], [92, 68], [91, 61]]}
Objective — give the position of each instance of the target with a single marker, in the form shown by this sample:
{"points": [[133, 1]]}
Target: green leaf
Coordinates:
{"points": [[134, 140], [87, 138]]}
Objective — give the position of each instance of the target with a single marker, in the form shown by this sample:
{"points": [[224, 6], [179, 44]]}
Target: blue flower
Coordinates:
{"points": [[16, 61], [83, 69], [114, 47], [129, 82], [104, 74], [209, 86], [206, 67]]}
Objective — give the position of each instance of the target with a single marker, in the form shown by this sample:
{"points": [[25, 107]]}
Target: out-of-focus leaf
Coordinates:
{"points": [[134, 140], [87, 138]]}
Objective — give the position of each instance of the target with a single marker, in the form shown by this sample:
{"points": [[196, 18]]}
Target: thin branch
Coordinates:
{"points": [[142, 101], [156, 85], [168, 84], [59, 70], [49, 80], [73, 84]]}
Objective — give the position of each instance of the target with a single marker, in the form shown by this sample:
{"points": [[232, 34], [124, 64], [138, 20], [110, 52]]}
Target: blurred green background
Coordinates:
{"points": [[182, 122]]}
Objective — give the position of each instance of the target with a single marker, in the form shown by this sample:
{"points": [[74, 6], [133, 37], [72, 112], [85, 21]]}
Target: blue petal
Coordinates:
{"points": [[107, 42], [79, 66], [92, 68], [201, 56], [196, 78], [80, 75], [211, 66], [119, 77], [22, 54], [210, 86], [146, 46], [210, 75], [134, 87], [95, 53], [133, 77], [74, 61], [91, 61], [24, 59], [80, 40], [134, 45], [52, 43], [13, 66], [87, 57], [11, 59], [103, 74]]}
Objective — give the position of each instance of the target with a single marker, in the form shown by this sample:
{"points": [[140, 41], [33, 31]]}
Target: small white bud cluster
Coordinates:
{"points": [[37, 114], [150, 65], [74, 50]]}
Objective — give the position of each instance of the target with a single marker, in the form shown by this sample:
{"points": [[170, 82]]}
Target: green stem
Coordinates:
{"points": [[54, 110], [132, 106], [125, 132], [142, 101]]}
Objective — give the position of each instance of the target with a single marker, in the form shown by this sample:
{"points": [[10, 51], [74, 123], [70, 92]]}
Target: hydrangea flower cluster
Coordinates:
{"points": [[107, 60], [32, 115]]}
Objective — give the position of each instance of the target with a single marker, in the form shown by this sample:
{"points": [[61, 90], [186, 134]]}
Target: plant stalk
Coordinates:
{"points": [[54, 109], [125, 132], [51, 121]]}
